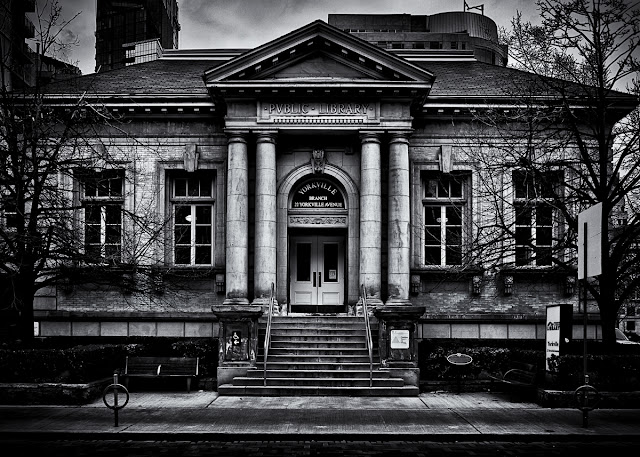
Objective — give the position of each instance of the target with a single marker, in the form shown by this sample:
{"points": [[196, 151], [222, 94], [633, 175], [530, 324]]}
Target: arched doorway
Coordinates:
{"points": [[317, 226]]}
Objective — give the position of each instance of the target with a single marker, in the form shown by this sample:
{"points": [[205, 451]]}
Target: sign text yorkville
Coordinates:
{"points": [[317, 194], [267, 111]]}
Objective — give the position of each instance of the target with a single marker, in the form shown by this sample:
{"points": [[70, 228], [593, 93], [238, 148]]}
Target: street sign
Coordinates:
{"points": [[590, 242]]}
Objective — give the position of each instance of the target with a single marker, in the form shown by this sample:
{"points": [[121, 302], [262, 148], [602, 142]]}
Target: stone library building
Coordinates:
{"points": [[331, 191]]}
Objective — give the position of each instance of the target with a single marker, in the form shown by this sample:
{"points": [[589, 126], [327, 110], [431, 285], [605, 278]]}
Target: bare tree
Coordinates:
{"points": [[46, 149], [568, 140]]}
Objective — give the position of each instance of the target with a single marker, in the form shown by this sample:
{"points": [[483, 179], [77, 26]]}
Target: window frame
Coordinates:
{"points": [[529, 196], [193, 202], [459, 202], [105, 199]]}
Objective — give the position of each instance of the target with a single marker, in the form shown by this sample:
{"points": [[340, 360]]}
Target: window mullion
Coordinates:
{"points": [[193, 234], [443, 235], [103, 230]]}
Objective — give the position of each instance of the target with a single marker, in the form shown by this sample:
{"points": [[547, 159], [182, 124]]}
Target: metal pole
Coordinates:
{"points": [[115, 399], [584, 305], [585, 413]]}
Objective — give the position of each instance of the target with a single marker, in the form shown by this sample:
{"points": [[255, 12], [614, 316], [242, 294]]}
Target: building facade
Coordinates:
{"points": [[120, 23], [18, 69], [318, 165]]}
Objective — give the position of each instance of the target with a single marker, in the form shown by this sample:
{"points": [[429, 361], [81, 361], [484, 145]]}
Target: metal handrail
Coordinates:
{"points": [[267, 335], [367, 325]]}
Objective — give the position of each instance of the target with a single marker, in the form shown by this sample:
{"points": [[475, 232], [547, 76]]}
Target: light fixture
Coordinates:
{"points": [[570, 285], [220, 283], [508, 285], [476, 284], [158, 282], [415, 284]]}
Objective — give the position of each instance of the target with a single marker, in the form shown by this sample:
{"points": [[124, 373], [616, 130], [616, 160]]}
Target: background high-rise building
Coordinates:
{"points": [[453, 33], [17, 57], [120, 22]]}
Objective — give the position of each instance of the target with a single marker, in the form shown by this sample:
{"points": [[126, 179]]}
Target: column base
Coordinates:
{"points": [[398, 302], [235, 301], [372, 305], [264, 304]]}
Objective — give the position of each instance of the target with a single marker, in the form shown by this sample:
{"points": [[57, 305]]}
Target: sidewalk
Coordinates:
{"points": [[206, 416]]}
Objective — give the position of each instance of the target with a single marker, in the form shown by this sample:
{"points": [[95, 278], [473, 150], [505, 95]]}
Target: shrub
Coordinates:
{"points": [[608, 372], [82, 363]]}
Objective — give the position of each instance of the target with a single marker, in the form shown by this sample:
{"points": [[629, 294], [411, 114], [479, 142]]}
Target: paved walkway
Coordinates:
{"points": [[206, 416]]}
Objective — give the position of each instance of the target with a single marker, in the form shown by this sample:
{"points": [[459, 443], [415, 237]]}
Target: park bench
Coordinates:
{"points": [[521, 377], [160, 368]]}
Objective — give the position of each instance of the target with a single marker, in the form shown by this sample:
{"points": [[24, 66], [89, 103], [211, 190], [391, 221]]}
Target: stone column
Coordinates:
{"points": [[370, 217], [265, 237], [237, 254], [399, 221]]}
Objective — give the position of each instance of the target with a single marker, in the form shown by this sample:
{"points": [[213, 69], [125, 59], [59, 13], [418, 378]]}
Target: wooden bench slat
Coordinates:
{"points": [[161, 367]]}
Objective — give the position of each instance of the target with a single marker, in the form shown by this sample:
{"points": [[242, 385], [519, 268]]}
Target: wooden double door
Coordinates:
{"points": [[317, 279]]}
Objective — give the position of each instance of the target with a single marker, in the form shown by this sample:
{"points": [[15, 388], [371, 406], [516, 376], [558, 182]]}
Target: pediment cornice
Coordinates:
{"points": [[368, 70]]}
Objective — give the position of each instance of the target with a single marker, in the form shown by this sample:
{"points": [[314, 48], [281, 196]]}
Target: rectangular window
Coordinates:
{"points": [[192, 201], [10, 212], [443, 205], [103, 203], [534, 216], [631, 326]]}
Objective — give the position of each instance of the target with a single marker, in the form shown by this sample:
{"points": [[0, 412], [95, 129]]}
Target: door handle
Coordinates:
{"points": [[314, 279], [319, 279]]}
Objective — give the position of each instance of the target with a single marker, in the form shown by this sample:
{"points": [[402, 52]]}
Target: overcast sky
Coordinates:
{"points": [[210, 24]]}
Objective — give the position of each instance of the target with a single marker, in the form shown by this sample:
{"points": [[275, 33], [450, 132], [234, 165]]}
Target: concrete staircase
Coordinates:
{"points": [[318, 355]]}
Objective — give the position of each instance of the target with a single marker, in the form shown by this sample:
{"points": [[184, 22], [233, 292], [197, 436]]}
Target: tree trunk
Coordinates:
{"points": [[24, 296]]}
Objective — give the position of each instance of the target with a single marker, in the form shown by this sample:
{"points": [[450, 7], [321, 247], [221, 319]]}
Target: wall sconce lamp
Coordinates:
{"points": [[220, 283], [508, 285], [476, 285], [67, 286], [415, 284], [158, 282], [569, 285]]}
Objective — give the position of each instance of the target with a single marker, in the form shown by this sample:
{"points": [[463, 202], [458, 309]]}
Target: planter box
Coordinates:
{"points": [[49, 393], [608, 400]]}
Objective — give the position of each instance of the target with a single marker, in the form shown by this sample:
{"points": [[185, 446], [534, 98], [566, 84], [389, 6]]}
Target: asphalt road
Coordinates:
{"points": [[104, 448]]}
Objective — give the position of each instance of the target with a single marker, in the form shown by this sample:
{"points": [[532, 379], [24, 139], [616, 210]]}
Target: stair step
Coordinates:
{"points": [[316, 331], [316, 337], [318, 382], [335, 358], [301, 391], [359, 320], [309, 365], [317, 342], [257, 373], [319, 351]]}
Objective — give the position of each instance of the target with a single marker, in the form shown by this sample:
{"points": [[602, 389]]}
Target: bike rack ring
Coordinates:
{"points": [[120, 387]]}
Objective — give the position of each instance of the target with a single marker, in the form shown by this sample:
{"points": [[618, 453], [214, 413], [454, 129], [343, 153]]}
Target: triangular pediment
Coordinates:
{"points": [[318, 56], [318, 67]]}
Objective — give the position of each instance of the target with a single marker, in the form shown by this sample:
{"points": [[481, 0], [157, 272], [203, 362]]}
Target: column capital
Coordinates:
{"points": [[399, 137], [237, 136], [370, 137], [266, 137]]}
